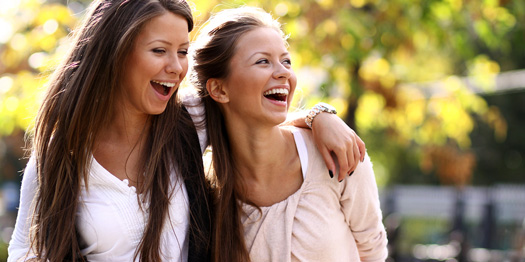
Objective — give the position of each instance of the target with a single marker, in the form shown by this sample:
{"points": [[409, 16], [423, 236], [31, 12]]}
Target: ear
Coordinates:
{"points": [[217, 90]]}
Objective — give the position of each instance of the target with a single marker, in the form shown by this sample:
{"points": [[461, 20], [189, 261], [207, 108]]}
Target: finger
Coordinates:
{"points": [[357, 157], [352, 160], [328, 161], [362, 147], [342, 159]]}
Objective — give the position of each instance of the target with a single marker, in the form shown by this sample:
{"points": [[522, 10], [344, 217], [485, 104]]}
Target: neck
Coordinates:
{"points": [[260, 152], [126, 129]]}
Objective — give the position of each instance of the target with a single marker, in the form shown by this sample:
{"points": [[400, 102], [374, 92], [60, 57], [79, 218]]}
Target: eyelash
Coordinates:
{"points": [[158, 51], [162, 51], [260, 61], [288, 61]]}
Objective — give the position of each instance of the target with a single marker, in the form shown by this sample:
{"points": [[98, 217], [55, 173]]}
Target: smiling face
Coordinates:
{"points": [[261, 81], [155, 66]]}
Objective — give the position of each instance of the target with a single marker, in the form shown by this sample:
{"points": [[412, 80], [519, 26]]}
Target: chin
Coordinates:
{"points": [[157, 111], [280, 120]]}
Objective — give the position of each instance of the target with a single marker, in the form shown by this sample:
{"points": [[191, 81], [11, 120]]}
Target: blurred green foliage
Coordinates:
{"points": [[371, 59], [3, 251]]}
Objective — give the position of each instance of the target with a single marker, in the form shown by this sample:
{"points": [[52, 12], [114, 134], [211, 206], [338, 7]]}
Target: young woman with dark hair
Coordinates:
{"points": [[275, 201], [115, 157]]}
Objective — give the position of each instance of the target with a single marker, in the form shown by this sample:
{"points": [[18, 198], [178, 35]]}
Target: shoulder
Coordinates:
{"points": [[30, 171], [304, 143], [362, 182], [304, 133], [306, 136], [364, 169], [189, 97], [311, 158], [191, 100]]}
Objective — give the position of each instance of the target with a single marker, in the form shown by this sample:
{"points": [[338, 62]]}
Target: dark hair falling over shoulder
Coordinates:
{"points": [[78, 104]]}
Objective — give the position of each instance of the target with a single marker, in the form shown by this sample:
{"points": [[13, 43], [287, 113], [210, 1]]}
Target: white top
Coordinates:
{"points": [[109, 219], [322, 221]]}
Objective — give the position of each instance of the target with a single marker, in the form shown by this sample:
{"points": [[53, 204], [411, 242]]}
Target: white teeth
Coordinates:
{"points": [[168, 84], [282, 91]]}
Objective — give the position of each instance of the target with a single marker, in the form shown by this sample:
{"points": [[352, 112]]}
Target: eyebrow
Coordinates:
{"points": [[166, 42], [267, 54]]}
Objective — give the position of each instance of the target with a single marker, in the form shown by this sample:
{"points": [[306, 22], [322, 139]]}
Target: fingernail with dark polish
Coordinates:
{"points": [[331, 174], [351, 173], [340, 180]]}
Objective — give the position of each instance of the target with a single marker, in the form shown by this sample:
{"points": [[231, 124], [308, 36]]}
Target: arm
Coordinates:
{"points": [[195, 107], [19, 244], [333, 137], [360, 205]]}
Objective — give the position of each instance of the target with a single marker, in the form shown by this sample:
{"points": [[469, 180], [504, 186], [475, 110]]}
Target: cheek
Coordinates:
{"points": [[293, 80], [184, 65], [238, 85], [293, 85]]}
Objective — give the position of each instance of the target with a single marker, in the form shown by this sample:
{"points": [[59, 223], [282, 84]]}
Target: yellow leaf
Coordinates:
{"points": [[357, 3], [11, 104]]}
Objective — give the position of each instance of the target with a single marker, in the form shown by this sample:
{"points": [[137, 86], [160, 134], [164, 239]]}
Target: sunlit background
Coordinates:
{"points": [[434, 87]]}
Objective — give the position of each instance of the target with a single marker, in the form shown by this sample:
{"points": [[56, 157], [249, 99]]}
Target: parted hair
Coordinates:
{"points": [[211, 54], [79, 102]]}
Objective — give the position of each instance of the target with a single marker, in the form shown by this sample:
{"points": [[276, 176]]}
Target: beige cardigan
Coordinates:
{"points": [[324, 220]]}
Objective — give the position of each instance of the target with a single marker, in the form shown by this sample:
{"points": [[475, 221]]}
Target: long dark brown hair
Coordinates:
{"points": [[79, 102], [211, 53]]}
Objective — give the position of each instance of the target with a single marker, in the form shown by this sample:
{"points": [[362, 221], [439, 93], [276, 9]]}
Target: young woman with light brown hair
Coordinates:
{"points": [[276, 202]]}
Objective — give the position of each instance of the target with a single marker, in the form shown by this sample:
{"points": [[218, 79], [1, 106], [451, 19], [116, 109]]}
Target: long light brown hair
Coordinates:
{"points": [[211, 53], [79, 102]]}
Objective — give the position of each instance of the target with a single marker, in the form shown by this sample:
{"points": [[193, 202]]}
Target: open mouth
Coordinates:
{"points": [[162, 87], [279, 94]]}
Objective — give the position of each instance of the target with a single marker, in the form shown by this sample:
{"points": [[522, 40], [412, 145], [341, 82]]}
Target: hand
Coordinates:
{"points": [[338, 144]]}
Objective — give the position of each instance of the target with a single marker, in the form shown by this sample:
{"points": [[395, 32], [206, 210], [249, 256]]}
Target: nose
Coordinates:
{"points": [[281, 71], [174, 65]]}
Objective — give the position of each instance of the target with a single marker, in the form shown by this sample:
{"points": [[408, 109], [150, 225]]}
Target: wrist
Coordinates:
{"points": [[316, 110]]}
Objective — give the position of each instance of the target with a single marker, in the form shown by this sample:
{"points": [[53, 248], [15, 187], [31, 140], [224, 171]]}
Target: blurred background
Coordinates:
{"points": [[436, 89]]}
